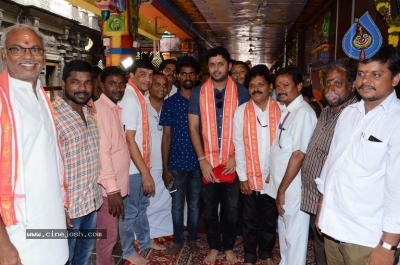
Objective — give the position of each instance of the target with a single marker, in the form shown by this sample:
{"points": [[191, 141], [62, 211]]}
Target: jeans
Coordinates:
{"points": [[134, 221], [188, 184], [80, 249], [228, 196]]}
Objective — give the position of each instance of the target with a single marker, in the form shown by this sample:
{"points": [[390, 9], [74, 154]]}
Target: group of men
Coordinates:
{"points": [[338, 171]]}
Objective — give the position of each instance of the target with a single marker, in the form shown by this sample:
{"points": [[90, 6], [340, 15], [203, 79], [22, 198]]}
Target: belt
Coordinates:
{"points": [[335, 240]]}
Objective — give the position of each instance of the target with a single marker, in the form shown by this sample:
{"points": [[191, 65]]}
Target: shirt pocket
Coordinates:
{"points": [[370, 154]]}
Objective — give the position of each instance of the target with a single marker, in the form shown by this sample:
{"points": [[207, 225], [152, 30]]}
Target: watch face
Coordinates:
{"points": [[388, 246]]}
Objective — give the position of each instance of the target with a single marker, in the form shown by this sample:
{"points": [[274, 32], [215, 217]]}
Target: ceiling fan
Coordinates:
{"points": [[258, 20]]}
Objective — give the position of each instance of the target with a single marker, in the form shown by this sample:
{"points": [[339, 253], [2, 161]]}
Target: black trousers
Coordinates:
{"points": [[227, 195], [259, 226]]}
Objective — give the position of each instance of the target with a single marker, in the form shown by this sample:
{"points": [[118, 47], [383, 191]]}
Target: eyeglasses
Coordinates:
{"points": [[280, 127], [219, 104], [19, 51], [159, 127]]}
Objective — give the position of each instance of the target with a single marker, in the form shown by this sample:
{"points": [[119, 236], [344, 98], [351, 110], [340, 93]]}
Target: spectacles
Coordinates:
{"points": [[19, 51], [159, 127], [219, 104], [280, 127]]}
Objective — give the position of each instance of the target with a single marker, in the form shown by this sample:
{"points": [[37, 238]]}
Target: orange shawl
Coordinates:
{"points": [[253, 167], [209, 122], [145, 124], [9, 153]]}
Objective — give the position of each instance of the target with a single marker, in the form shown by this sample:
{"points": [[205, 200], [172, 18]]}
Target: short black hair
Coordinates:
{"points": [[76, 65], [96, 71], [294, 72], [344, 64], [258, 70], [219, 50], [387, 53], [112, 70], [306, 91], [165, 63], [187, 61], [141, 63], [241, 63]]}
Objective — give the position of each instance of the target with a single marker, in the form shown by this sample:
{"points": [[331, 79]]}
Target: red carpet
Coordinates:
{"points": [[185, 258]]}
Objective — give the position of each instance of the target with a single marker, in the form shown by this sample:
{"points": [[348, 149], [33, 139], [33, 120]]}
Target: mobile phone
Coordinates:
{"points": [[172, 186]]}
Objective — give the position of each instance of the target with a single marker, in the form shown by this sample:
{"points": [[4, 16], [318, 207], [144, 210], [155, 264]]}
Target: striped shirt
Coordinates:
{"points": [[80, 147], [317, 152]]}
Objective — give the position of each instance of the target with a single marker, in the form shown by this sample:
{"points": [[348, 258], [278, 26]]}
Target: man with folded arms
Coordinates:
{"points": [[359, 203], [256, 123], [211, 110]]}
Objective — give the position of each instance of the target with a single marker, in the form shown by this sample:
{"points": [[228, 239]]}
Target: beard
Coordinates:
{"points": [[75, 99], [222, 77], [188, 84], [337, 101]]}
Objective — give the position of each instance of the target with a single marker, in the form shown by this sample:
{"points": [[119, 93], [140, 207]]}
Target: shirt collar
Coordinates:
{"points": [[19, 83], [108, 102], [386, 104], [295, 103]]}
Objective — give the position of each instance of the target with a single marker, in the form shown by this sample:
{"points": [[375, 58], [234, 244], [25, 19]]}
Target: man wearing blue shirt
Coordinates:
{"points": [[211, 111], [180, 165]]}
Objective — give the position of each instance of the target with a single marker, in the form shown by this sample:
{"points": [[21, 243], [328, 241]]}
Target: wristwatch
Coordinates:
{"points": [[387, 245]]}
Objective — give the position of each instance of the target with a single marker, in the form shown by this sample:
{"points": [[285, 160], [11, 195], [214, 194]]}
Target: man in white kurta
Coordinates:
{"points": [[38, 190], [296, 127]]}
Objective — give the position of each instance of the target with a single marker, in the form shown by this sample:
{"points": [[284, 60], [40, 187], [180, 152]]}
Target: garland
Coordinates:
{"points": [[384, 8]]}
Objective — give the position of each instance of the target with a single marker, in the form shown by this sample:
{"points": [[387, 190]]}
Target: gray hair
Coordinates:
{"points": [[19, 27]]}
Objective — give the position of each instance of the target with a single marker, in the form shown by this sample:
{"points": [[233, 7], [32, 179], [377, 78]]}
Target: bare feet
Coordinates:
{"points": [[270, 261], [230, 257], [194, 248], [173, 250], [211, 257], [156, 246], [136, 259]]}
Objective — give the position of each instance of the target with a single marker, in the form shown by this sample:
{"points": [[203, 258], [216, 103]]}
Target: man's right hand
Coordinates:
{"points": [[244, 187], [115, 204], [9, 254], [149, 187], [167, 177], [206, 169]]}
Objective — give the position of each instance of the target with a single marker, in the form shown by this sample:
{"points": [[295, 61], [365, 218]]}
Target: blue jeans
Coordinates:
{"points": [[80, 249], [134, 221], [188, 184]]}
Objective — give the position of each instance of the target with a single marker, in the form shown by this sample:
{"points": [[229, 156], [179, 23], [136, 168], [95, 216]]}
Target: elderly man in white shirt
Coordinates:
{"points": [[255, 125], [359, 184], [297, 124]]}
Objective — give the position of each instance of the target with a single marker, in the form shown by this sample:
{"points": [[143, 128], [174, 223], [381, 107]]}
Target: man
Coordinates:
{"points": [[239, 71], [339, 92], [159, 210], [141, 184], [180, 165], [211, 110], [167, 67], [359, 182], [96, 73], [287, 153], [79, 139], [114, 161], [257, 118], [31, 179]]}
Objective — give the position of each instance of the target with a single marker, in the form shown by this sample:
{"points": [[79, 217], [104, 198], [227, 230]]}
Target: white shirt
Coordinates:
{"points": [[298, 128], [131, 117], [156, 132], [174, 89], [39, 196], [263, 143], [360, 179]]}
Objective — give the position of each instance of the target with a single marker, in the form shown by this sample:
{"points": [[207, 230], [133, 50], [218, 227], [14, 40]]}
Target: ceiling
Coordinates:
{"points": [[238, 25]]}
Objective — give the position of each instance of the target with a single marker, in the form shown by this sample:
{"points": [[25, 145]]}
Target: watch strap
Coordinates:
{"points": [[387, 245]]}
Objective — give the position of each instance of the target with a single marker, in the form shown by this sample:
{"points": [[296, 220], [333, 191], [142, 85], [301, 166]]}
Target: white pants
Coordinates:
{"points": [[293, 234]]}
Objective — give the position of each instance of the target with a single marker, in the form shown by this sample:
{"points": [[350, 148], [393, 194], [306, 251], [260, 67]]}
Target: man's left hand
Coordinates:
{"points": [[381, 256], [230, 165], [280, 201], [149, 188]]}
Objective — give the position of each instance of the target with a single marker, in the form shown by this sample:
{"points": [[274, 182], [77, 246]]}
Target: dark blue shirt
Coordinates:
{"points": [[182, 156], [194, 105]]}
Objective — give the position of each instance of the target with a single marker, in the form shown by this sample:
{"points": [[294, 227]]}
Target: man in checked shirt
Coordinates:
{"points": [[339, 92], [79, 140]]}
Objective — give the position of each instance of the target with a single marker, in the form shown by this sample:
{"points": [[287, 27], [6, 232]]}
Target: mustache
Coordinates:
{"points": [[282, 94], [81, 93], [330, 94], [28, 62], [256, 92], [366, 86]]}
